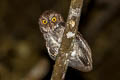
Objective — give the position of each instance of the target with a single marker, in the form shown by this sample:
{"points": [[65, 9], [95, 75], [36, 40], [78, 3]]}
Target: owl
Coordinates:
{"points": [[52, 26]]}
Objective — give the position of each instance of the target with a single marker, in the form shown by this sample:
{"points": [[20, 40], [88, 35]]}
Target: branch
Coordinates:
{"points": [[62, 59]]}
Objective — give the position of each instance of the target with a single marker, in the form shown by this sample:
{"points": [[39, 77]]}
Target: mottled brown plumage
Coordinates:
{"points": [[52, 26]]}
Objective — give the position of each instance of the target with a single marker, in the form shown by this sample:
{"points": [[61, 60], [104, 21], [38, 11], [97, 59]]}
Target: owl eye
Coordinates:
{"points": [[44, 21], [54, 19]]}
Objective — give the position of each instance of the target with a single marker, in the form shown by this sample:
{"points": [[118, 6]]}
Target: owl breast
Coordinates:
{"points": [[53, 41]]}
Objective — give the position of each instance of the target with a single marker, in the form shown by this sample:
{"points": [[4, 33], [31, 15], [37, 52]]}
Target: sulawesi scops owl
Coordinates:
{"points": [[52, 26]]}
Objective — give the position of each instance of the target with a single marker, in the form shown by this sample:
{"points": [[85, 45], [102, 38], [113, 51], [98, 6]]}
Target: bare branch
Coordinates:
{"points": [[62, 59]]}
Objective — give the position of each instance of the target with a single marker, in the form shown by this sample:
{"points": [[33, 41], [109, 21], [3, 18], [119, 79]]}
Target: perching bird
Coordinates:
{"points": [[52, 26]]}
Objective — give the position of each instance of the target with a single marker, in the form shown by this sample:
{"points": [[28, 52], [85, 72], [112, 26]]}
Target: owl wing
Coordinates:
{"points": [[83, 58]]}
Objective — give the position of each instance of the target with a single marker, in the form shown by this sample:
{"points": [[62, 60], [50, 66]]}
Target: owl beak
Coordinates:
{"points": [[51, 26]]}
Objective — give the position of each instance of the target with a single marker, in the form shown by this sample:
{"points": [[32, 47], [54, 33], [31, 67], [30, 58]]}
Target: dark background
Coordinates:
{"points": [[23, 55]]}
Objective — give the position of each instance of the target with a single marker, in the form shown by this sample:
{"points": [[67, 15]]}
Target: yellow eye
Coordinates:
{"points": [[54, 19], [44, 21]]}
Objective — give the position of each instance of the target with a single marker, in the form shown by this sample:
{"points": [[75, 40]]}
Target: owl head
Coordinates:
{"points": [[50, 20]]}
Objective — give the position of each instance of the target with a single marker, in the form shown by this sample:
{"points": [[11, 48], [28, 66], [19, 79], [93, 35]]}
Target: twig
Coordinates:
{"points": [[62, 59], [38, 71]]}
